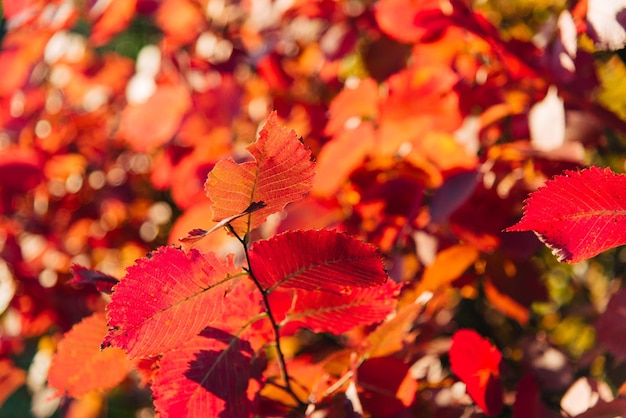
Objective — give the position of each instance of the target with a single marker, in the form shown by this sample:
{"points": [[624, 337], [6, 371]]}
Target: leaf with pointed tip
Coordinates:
{"points": [[281, 173], [336, 313], [79, 366], [477, 363], [578, 215], [316, 260], [166, 299]]}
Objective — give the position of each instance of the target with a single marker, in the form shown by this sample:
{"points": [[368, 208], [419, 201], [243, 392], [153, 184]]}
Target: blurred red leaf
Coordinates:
{"points": [[281, 173], [477, 363], [80, 366], [101, 281], [316, 260], [611, 325], [152, 123], [151, 307], [386, 386], [112, 20], [335, 313], [578, 215], [20, 169], [528, 402]]}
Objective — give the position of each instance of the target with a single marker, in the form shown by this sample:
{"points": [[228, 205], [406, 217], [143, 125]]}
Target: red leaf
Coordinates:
{"points": [[477, 363], [336, 313], [611, 325], [281, 173], [578, 215], [316, 260], [216, 373], [209, 376], [166, 299], [103, 282], [528, 400], [151, 124], [79, 366], [387, 387]]}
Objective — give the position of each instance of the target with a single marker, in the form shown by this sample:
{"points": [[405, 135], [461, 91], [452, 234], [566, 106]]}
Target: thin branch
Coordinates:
{"points": [[281, 356]]}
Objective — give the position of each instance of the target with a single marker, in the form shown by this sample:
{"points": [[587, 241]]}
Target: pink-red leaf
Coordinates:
{"points": [[578, 215], [316, 260], [79, 366], [281, 173], [335, 313], [477, 363], [166, 299], [215, 374]]}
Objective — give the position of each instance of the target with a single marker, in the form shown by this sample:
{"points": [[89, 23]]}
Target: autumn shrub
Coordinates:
{"points": [[324, 208]]}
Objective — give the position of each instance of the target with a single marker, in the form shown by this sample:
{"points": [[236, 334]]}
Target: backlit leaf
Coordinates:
{"points": [[338, 313], [281, 173], [217, 372], [208, 377], [316, 260], [578, 215], [166, 299], [80, 366], [477, 363]]}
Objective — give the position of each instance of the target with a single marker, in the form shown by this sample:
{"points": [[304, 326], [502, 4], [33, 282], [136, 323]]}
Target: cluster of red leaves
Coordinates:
{"points": [[429, 126]]}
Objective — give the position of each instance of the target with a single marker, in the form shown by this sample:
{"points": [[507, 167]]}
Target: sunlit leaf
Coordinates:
{"points": [[477, 363], [316, 260], [282, 172], [166, 299], [579, 214], [337, 313], [80, 366]]}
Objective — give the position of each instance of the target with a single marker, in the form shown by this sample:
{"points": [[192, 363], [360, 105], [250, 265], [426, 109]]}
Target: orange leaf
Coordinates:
{"points": [[79, 366], [114, 19], [360, 101], [180, 20], [448, 266], [281, 173], [341, 156], [11, 378], [151, 124]]}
